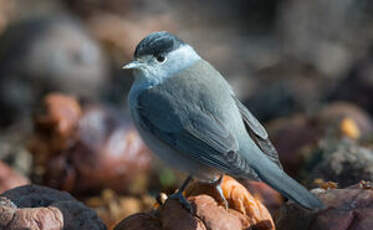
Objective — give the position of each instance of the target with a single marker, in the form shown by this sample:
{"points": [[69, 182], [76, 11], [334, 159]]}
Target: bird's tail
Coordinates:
{"points": [[271, 174]]}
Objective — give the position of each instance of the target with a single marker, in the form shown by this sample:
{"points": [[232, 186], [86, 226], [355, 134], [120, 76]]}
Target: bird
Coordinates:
{"points": [[188, 115]]}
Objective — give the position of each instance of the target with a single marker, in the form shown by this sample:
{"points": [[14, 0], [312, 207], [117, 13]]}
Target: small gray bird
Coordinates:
{"points": [[187, 113]]}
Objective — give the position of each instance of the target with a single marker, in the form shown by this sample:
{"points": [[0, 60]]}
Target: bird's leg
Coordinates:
{"points": [[218, 188], [185, 184], [180, 197]]}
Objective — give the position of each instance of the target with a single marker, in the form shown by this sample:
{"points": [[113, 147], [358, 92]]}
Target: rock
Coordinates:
{"points": [[349, 208], [85, 149], [76, 61], [41, 208], [245, 211], [10, 179]]}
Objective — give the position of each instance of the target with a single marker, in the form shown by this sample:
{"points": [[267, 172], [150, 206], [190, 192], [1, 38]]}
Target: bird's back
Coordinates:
{"points": [[201, 88]]}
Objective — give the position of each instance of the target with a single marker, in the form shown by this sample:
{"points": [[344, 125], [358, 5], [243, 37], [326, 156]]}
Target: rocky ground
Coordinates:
{"points": [[70, 157]]}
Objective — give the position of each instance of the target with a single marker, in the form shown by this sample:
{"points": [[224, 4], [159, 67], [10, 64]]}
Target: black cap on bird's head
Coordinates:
{"points": [[162, 52], [158, 43]]}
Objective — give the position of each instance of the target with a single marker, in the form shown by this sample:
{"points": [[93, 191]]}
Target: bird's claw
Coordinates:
{"points": [[218, 188], [225, 203], [184, 202]]}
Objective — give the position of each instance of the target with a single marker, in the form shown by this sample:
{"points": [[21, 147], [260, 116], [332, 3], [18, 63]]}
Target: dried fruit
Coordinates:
{"points": [[41, 208], [245, 211]]}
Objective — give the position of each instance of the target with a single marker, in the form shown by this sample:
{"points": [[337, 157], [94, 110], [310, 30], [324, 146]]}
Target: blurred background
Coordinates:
{"points": [[304, 68]]}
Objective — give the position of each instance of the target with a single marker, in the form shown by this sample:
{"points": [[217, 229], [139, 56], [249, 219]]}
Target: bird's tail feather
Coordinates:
{"points": [[287, 186]]}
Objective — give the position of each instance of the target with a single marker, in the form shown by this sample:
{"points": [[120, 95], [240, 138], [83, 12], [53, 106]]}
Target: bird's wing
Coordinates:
{"points": [[258, 133], [200, 135]]}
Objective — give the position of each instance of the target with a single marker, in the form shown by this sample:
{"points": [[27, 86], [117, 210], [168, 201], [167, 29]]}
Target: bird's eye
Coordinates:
{"points": [[161, 59]]}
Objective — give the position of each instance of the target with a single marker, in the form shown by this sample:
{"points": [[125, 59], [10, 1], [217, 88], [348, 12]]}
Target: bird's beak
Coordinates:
{"points": [[133, 65]]}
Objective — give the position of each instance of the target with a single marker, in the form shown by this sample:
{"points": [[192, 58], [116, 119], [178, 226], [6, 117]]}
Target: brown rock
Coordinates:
{"points": [[350, 208], [37, 218], [10, 179], [245, 212], [41, 208]]}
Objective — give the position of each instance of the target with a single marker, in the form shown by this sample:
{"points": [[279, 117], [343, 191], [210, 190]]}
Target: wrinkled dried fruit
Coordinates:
{"points": [[41, 208], [245, 212], [238, 197]]}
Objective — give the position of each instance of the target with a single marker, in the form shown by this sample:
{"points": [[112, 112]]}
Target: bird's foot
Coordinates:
{"points": [[222, 197], [218, 188], [182, 200]]}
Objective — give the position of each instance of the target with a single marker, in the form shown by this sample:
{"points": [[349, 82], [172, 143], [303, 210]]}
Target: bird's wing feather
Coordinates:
{"points": [[258, 133], [200, 135]]}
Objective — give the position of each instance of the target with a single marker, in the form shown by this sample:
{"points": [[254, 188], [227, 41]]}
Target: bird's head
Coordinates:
{"points": [[160, 55]]}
